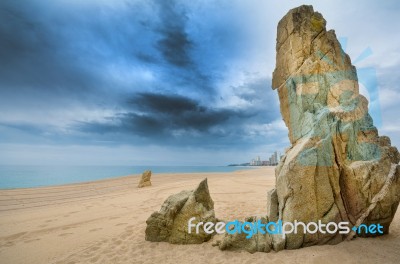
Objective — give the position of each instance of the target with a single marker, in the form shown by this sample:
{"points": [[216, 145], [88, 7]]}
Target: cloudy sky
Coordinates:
{"points": [[166, 82]]}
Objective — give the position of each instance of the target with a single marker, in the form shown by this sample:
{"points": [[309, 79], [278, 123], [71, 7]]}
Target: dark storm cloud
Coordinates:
{"points": [[162, 116], [161, 103], [178, 112], [29, 51], [65, 51], [174, 47], [165, 73], [174, 44], [69, 51], [172, 119], [153, 73], [178, 48]]}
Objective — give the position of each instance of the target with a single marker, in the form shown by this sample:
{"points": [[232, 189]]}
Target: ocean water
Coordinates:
{"points": [[36, 176]]}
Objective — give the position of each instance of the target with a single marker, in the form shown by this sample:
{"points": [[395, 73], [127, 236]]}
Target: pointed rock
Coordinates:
{"points": [[170, 224], [337, 163], [145, 179], [338, 168]]}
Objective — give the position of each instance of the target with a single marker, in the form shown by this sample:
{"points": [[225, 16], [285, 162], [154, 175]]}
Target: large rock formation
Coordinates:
{"points": [[145, 179], [170, 224], [338, 168]]}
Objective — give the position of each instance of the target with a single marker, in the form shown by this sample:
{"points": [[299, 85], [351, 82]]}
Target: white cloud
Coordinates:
{"points": [[389, 98]]}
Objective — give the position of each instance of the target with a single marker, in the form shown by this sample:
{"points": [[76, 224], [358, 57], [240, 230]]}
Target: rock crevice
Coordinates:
{"points": [[337, 168]]}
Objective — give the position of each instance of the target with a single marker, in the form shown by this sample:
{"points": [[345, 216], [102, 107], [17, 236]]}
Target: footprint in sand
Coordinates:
{"points": [[31, 240], [94, 249], [65, 234], [15, 236], [8, 244], [95, 229]]}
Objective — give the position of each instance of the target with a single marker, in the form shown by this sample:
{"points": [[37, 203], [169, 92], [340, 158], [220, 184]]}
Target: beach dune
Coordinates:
{"points": [[104, 222]]}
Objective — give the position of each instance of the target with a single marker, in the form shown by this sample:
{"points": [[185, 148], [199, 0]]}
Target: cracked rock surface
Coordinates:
{"points": [[337, 168], [170, 224]]}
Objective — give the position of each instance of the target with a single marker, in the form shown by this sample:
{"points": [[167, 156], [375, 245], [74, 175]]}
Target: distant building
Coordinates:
{"points": [[272, 161], [258, 161], [265, 163]]}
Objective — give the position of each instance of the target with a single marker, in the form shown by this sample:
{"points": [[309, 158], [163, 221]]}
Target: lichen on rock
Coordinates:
{"points": [[337, 168], [170, 224]]}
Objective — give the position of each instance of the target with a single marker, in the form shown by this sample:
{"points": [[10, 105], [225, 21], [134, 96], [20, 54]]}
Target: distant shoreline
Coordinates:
{"points": [[28, 177]]}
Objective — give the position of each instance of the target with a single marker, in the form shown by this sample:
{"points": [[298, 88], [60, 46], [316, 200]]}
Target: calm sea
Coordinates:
{"points": [[35, 176]]}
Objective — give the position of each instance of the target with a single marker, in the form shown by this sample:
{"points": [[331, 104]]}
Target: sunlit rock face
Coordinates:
{"points": [[337, 168], [170, 224]]}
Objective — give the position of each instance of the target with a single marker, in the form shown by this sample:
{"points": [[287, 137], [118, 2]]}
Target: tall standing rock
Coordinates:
{"points": [[338, 168], [145, 179]]}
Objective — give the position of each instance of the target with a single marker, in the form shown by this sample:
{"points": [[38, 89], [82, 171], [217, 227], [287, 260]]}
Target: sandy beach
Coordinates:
{"points": [[104, 222]]}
